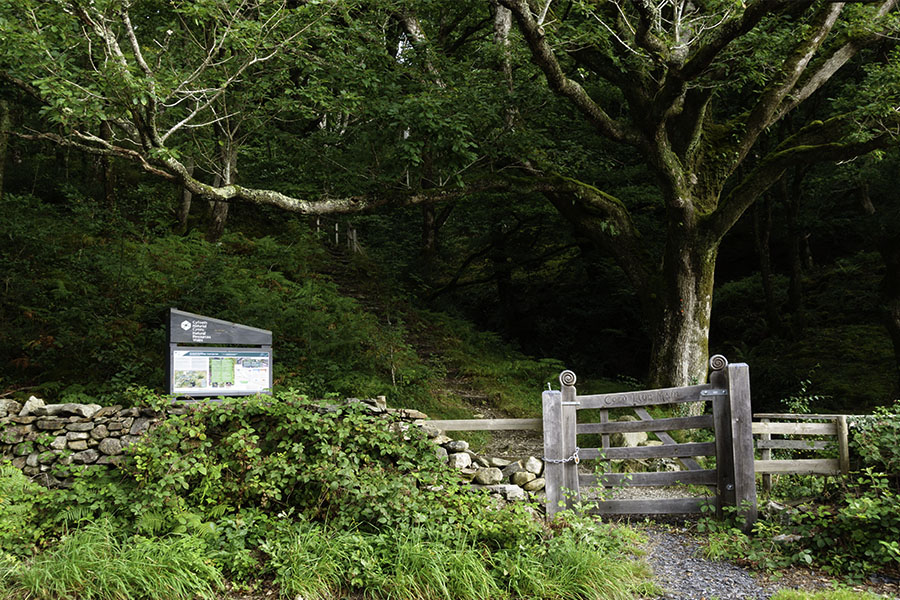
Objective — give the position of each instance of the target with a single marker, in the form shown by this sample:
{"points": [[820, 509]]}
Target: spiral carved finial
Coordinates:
{"points": [[567, 378], [718, 362]]}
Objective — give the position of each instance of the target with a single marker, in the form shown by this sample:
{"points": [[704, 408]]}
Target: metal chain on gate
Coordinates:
{"points": [[560, 461]]}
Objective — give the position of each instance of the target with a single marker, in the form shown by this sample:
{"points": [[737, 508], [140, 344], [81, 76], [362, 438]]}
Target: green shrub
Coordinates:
{"points": [[850, 531], [876, 439]]}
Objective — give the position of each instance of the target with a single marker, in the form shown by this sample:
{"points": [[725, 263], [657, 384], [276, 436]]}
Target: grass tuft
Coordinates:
{"points": [[93, 564]]}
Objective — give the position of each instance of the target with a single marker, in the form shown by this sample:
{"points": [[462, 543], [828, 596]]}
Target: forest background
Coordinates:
{"points": [[618, 188]]}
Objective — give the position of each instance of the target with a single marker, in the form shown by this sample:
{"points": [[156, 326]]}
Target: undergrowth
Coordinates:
{"points": [[315, 501]]}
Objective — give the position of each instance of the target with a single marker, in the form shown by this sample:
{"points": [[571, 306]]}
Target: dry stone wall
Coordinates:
{"points": [[45, 441]]}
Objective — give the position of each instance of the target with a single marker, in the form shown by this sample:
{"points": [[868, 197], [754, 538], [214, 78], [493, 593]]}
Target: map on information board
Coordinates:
{"points": [[220, 371]]}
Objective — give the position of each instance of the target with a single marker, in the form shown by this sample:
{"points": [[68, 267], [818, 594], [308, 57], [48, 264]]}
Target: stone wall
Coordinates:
{"points": [[46, 440]]}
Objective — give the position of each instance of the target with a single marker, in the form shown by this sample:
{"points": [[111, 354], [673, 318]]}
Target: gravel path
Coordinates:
{"points": [[680, 568]]}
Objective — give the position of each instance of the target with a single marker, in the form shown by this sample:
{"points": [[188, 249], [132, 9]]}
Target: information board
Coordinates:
{"points": [[221, 371], [217, 371]]}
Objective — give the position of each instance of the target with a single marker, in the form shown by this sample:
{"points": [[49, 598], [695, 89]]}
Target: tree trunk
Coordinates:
{"points": [[889, 247], [219, 210], [679, 331], [762, 229], [5, 124], [217, 217]]}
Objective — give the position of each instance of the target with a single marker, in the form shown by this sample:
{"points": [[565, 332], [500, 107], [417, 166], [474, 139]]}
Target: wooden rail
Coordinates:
{"points": [[798, 425], [488, 424]]}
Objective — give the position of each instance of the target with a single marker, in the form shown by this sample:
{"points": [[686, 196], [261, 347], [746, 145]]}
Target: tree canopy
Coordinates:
{"points": [[651, 128]]}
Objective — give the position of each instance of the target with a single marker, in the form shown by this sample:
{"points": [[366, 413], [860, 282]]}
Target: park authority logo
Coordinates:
{"points": [[185, 325]]}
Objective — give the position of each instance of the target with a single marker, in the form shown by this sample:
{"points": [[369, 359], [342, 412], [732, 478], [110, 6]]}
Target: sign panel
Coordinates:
{"points": [[220, 371], [190, 328]]}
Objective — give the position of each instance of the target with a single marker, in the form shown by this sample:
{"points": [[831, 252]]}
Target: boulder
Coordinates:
{"points": [[139, 426], [488, 476], [522, 477], [468, 474], [533, 465], [68, 409], [459, 460], [430, 430], [99, 432], [110, 446], [51, 423], [628, 440], [534, 485], [85, 426], [9, 407], [513, 467], [85, 457], [457, 446], [507, 492]]}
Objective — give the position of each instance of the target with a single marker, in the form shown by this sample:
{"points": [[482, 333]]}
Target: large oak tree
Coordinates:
{"points": [[717, 98]]}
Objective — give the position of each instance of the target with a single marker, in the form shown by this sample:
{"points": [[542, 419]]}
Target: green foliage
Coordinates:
{"points": [[876, 439], [86, 318], [851, 530], [802, 401], [95, 563], [320, 500], [20, 512]]}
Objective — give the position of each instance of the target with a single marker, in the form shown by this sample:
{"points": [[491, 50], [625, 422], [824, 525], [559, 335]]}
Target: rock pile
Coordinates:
{"points": [[510, 480]]}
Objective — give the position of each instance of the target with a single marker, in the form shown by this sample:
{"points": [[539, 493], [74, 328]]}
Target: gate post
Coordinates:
{"points": [[569, 439], [553, 472], [718, 379], [742, 440]]}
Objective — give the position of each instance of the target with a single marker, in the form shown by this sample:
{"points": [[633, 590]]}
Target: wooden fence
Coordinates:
{"points": [[332, 229], [733, 478], [800, 433]]}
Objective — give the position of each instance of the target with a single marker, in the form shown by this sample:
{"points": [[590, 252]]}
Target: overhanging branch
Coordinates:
{"points": [[792, 153]]}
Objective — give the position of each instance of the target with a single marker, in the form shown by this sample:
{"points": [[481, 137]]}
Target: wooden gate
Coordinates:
{"points": [[730, 419]]}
